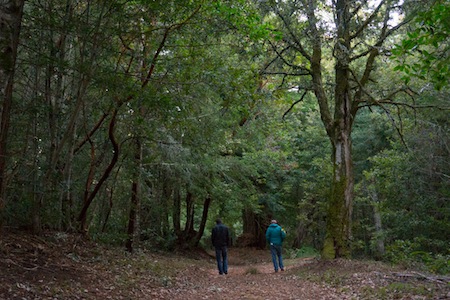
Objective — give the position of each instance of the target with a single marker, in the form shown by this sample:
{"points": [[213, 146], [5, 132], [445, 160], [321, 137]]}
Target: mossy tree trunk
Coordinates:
{"points": [[337, 240]]}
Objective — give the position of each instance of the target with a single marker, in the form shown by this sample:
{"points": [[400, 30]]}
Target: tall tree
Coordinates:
{"points": [[351, 36]]}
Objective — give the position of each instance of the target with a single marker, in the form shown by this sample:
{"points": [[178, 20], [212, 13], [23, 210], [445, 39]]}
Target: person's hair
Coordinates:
{"points": [[218, 221], [274, 222]]}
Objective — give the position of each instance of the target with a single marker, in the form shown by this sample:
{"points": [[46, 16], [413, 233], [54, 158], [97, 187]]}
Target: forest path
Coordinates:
{"points": [[251, 279], [64, 266]]}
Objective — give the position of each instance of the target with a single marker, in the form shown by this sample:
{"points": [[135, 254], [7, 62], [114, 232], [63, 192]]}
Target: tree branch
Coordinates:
{"points": [[368, 21], [293, 104]]}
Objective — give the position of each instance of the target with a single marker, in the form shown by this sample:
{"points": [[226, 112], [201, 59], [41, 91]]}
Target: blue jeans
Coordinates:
{"points": [[277, 259], [222, 259]]}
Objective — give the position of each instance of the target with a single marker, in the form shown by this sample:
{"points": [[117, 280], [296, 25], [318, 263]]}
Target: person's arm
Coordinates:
{"points": [[283, 234], [213, 236]]}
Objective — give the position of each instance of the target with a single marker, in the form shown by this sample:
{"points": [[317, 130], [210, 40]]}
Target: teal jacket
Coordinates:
{"points": [[275, 234]]}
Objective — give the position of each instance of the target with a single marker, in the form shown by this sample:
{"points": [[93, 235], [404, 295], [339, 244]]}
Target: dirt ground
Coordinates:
{"points": [[62, 266]]}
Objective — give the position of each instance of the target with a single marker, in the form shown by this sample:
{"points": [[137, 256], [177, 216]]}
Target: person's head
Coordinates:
{"points": [[274, 222], [218, 221]]}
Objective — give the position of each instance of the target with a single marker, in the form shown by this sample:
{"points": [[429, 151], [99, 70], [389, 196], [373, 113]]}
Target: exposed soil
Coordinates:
{"points": [[62, 266]]}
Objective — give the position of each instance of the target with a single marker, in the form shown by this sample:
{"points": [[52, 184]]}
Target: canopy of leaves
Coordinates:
{"points": [[425, 52]]}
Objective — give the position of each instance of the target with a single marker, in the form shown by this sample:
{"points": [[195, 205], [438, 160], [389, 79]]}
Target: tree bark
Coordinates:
{"points": [[82, 217], [135, 199], [189, 228], [254, 229], [202, 226], [176, 212], [10, 23], [337, 241]]}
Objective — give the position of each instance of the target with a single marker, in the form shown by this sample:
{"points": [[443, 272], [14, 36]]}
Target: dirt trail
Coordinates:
{"points": [[61, 266], [251, 276], [248, 281]]}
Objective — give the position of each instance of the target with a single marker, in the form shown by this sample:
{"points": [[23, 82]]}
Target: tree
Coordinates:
{"points": [[351, 36], [10, 22]]}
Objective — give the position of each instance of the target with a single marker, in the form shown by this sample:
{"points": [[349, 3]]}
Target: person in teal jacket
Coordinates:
{"points": [[275, 236]]}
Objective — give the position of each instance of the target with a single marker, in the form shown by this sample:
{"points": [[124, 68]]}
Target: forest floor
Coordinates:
{"points": [[62, 266]]}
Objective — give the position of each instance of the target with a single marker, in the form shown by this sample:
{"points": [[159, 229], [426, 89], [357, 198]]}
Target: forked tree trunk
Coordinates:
{"points": [[82, 217]]}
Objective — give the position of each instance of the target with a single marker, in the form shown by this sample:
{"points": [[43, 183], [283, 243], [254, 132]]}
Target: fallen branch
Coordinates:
{"points": [[419, 276]]}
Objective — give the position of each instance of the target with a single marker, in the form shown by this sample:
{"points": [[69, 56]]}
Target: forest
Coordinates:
{"points": [[137, 123]]}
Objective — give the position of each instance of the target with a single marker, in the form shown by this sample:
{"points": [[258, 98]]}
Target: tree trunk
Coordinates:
{"points": [[186, 238], [135, 199], [254, 230], [10, 21], [338, 237], [379, 250], [201, 228], [132, 217], [176, 213], [82, 217], [189, 227]]}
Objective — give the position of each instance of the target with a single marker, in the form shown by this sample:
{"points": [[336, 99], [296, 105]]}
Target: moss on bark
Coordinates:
{"points": [[337, 240]]}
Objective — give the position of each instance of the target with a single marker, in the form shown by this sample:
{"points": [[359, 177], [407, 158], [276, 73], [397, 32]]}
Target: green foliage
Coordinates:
{"points": [[245, 18], [408, 253], [116, 238], [303, 252], [429, 43]]}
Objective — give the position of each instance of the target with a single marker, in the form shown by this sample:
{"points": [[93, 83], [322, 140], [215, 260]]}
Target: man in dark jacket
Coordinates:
{"points": [[275, 236], [220, 239]]}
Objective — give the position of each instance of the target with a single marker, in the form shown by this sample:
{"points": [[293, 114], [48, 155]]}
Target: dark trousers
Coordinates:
{"points": [[222, 259]]}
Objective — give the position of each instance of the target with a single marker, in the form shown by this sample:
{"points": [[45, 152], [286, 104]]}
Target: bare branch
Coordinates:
{"points": [[280, 56], [368, 21], [286, 73], [297, 43], [358, 8], [293, 104]]}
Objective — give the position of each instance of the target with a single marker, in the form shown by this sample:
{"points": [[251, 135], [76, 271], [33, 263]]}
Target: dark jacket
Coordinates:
{"points": [[275, 234], [220, 236]]}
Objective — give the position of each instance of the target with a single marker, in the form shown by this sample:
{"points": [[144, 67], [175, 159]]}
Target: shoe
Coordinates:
{"points": [[282, 269], [226, 273], [276, 271], [220, 273]]}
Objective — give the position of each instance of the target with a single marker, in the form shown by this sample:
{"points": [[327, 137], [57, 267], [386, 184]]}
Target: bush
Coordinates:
{"points": [[305, 251], [409, 253]]}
